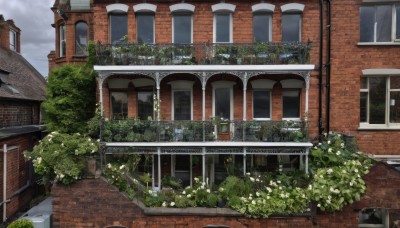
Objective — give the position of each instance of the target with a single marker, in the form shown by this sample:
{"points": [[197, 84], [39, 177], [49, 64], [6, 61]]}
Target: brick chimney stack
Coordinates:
{"points": [[9, 35]]}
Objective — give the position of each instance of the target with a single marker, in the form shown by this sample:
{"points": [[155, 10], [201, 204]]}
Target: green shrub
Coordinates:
{"points": [[60, 157], [21, 223], [70, 99]]}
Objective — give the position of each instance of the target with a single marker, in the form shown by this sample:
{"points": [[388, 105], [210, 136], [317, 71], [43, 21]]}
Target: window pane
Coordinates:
{"points": [[291, 27], [119, 105], [363, 106], [223, 103], [384, 23], [291, 104], [145, 105], [367, 21], [145, 28], [182, 29], [261, 104], [13, 40], [261, 23], [395, 107], [81, 38], [119, 27], [182, 105], [222, 27], [394, 82], [63, 46], [377, 100], [397, 22]]}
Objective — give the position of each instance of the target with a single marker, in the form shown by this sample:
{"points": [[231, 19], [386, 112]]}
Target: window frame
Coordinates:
{"points": [[154, 26], [13, 38], [62, 40], [188, 13], [270, 104], [393, 28], [270, 15], [223, 85], [84, 52], [388, 90], [230, 27], [145, 90], [300, 24], [111, 104], [116, 13], [300, 93], [173, 102]]}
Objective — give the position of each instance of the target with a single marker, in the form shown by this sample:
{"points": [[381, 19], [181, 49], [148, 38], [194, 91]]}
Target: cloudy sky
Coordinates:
{"points": [[34, 18]]}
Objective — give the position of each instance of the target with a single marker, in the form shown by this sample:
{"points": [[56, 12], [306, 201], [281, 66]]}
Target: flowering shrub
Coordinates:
{"points": [[59, 156], [115, 175]]}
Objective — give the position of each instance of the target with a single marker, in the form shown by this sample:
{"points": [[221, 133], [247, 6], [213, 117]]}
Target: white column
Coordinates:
{"points": [[159, 168], [244, 103], [306, 108], [307, 152], [204, 104], [204, 164], [101, 96], [152, 172], [244, 161], [158, 100]]}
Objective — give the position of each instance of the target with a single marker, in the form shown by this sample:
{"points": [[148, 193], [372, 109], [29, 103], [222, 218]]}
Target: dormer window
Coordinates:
{"points": [[13, 40]]}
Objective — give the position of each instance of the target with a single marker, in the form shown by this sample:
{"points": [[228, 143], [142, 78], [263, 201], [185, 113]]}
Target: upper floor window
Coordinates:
{"points": [[13, 40], [182, 28], [223, 22], [81, 38], [379, 23], [62, 40], [262, 98], [145, 105], [262, 22], [291, 95], [119, 105], [291, 22], [380, 100], [262, 27], [118, 27], [145, 27]]}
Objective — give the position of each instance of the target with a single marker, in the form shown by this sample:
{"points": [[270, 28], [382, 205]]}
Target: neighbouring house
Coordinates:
{"points": [[190, 84], [22, 89]]}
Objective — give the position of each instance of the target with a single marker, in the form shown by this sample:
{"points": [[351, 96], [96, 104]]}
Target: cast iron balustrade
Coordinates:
{"points": [[203, 131], [269, 53]]}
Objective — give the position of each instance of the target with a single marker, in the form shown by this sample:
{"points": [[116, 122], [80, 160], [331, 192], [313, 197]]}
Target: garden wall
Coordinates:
{"points": [[94, 203]]}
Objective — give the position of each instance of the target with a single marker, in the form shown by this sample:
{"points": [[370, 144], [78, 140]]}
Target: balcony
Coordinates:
{"points": [[203, 54], [203, 131]]}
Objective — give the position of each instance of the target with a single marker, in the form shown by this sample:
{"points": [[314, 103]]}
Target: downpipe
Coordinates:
{"points": [[328, 67], [321, 43]]}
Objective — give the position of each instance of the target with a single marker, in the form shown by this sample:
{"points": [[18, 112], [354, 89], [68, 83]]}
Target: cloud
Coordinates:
{"points": [[34, 18]]}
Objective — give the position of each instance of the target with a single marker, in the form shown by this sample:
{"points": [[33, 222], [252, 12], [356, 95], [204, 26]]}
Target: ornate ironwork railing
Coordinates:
{"points": [[268, 53], [203, 131]]}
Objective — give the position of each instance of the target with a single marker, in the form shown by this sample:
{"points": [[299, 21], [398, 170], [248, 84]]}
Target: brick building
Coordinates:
{"points": [[241, 78], [22, 89]]}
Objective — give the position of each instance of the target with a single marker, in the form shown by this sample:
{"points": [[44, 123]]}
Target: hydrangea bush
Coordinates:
{"points": [[59, 157], [335, 180]]}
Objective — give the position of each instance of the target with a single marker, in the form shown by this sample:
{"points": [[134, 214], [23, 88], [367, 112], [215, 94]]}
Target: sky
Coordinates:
{"points": [[34, 18]]}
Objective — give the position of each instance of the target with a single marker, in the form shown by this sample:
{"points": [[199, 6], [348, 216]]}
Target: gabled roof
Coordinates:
{"points": [[19, 79]]}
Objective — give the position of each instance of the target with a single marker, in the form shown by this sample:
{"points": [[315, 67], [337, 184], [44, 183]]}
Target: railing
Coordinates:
{"points": [[203, 131], [124, 53]]}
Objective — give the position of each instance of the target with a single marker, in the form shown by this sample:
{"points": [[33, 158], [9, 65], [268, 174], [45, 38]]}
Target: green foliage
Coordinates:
{"points": [[70, 99], [21, 223], [60, 156], [115, 174]]}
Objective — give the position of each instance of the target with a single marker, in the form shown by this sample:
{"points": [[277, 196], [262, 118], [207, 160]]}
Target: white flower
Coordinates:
{"points": [[278, 181], [248, 174], [251, 179], [330, 150], [338, 153], [351, 183], [208, 191], [253, 202], [310, 187], [269, 189], [184, 192], [98, 140], [189, 196], [39, 160], [356, 170], [164, 204], [62, 144], [318, 205], [122, 166], [196, 179], [268, 197], [325, 134], [62, 176], [315, 147], [329, 142], [172, 204], [257, 194], [342, 145], [319, 144], [329, 171], [89, 139], [109, 166], [221, 189], [250, 198], [282, 195], [257, 180]]}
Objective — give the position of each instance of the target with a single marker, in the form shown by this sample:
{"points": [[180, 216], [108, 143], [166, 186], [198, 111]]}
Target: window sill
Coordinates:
{"points": [[370, 127], [397, 43]]}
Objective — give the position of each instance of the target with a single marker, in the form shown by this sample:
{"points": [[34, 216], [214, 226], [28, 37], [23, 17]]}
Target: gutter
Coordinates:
{"points": [[321, 43]]}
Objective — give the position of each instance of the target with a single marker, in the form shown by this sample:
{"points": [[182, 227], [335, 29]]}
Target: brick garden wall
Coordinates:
{"points": [[94, 203], [18, 113]]}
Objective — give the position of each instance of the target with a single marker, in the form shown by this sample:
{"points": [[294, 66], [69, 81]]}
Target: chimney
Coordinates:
{"points": [[9, 35]]}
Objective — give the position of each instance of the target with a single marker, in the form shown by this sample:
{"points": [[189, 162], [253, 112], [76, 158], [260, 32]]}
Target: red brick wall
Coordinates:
{"points": [[94, 203], [18, 113], [17, 171]]}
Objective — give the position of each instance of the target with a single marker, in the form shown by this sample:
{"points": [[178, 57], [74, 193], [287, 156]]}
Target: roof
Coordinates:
{"points": [[22, 81], [19, 130]]}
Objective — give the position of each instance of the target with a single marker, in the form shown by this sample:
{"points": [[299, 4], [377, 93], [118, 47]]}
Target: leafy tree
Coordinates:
{"points": [[70, 99], [21, 223]]}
